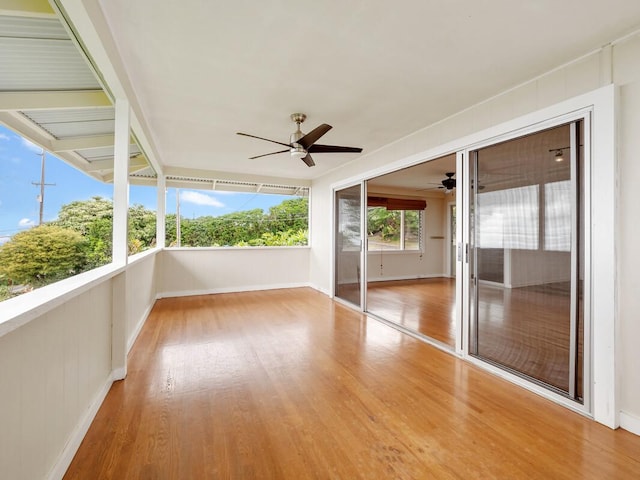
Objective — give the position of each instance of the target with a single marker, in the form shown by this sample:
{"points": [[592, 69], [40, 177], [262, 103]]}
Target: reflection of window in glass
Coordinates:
{"points": [[508, 218], [393, 229], [412, 229], [236, 219], [557, 216], [349, 227], [55, 221]]}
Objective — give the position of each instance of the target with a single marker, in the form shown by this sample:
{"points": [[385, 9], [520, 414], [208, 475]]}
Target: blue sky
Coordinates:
{"points": [[19, 208]]}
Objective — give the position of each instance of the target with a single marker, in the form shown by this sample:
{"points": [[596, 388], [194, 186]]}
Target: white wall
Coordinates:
{"points": [[627, 74], [523, 268], [53, 370], [196, 271], [582, 76]]}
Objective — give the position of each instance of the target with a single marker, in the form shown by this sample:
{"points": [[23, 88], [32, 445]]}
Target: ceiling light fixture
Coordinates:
{"points": [[559, 157], [558, 153], [298, 152]]}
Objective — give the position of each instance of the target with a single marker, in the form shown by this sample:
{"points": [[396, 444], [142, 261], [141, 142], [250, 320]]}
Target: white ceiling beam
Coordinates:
{"points": [[26, 128], [135, 164], [82, 143], [26, 8], [48, 100], [239, 177]]}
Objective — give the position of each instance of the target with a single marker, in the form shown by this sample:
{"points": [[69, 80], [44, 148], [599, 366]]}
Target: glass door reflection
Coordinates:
{"points": [[348, 247], [527, 254]]}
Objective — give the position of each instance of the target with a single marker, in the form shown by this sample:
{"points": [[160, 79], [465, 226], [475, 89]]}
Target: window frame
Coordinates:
{"points": [[402, 239]]}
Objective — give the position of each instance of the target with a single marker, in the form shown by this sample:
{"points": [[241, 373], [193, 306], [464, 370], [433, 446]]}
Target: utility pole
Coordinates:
{"points": [[42, 184]]}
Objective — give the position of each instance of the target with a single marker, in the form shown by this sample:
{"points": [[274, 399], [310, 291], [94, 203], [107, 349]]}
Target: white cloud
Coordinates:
{"points": [[26, 222], [31, 146], [4, 137], [200, 199], [4, 240]]}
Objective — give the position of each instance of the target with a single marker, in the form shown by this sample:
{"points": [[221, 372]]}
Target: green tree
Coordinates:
{"points": [[383, 222], [42, 255], [286, 224], [80, 214], [289, 215], [93, 219], [289, 238], [142, 227]]}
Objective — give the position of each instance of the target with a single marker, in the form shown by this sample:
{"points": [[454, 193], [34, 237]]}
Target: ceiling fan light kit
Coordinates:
{"points": [[301, 145]]}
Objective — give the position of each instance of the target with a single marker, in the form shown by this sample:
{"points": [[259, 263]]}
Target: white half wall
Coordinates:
{"points": [[54, 372], [142, 291], [197, 271]]}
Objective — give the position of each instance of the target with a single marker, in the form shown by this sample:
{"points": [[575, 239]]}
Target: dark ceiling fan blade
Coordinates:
{"points": [[313, 136], [308, 160], [261, 138], [265, 154], [333, 149]]}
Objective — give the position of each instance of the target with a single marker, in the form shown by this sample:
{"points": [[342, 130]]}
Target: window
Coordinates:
{"points": [[393, 229], [222, 218], [55, 221], [141, 230]]}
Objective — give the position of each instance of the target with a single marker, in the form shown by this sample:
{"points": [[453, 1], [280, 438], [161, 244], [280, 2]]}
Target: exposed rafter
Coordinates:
{"points": [[44, 100], [82, 143], [26, 8], [136, 164]]}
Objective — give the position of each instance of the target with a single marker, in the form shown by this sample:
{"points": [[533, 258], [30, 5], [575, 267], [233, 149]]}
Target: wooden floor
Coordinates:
{"points": [[426, 306], [525, 329], [287, 384], [528, 329]]}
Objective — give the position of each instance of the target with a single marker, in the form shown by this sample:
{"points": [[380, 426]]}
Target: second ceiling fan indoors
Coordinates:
{"points": [[301, 145]]}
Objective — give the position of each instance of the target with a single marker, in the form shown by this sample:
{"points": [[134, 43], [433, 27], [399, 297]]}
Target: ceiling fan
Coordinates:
{"points": [[301, 145], [449, 183]]}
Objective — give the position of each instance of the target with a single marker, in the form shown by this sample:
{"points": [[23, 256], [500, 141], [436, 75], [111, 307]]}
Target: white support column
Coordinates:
{"points": [[120, 291], [161, 211], [121, 182]]}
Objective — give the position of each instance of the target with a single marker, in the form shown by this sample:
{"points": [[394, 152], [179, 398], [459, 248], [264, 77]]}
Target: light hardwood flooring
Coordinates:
{"points": [[287, 384], [426, 306], [525, 329]]}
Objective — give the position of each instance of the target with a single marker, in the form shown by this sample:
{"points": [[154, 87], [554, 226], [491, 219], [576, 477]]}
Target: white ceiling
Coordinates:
{"points": [[375, 70]]}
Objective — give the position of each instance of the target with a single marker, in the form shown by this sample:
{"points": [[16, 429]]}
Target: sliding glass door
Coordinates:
{"points": [[348, 244], [527, 245]]}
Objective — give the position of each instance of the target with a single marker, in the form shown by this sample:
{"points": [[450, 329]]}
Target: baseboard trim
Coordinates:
{"points": [[138, 329], [78, 434], [630, 423], [404, 277], [238, 289]]}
